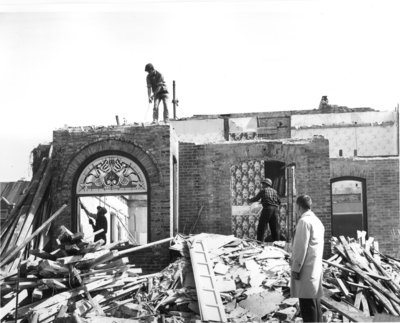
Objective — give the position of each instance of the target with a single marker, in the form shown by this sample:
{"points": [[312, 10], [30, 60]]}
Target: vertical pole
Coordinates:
{"points": [[174, 98]]}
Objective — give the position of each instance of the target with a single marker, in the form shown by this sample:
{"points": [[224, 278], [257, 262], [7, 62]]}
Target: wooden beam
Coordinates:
{"points": [[10, 306], [346, 310], [37, 200], [349, 270], [151, 244], [28, 239], [375, 284]]}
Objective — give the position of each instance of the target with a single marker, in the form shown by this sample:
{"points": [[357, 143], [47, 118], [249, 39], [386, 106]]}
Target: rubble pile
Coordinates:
{"points": [[360, 283], [215, 278]]}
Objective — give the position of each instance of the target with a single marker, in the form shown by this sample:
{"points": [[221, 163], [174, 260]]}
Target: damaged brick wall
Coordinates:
{"points": [[205, 177], [382, 194], [149, 146]]}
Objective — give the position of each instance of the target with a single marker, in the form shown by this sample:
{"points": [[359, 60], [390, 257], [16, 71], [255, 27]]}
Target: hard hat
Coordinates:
{"points": [[267, 181], [148, 67]]}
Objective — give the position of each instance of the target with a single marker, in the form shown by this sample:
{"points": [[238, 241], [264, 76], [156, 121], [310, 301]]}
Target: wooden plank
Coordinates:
{"points": [[28, 239], [392, 284], [10, 306], [349, 270], [92, 302], [12, 215], [37, 200], [346, 310], [384, 301], [32, 191], [8, 236], [375, 284], [130, 250], [72, 293]]}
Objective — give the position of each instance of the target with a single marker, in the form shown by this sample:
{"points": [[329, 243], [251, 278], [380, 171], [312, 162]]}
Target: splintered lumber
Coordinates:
{"points": [[44, 182], [72, 293], [375, 284], [386, 303], [352, 271], [151, 244], [6, 239], [19, 225], [18, 248], [11, 304], [346, 310]]}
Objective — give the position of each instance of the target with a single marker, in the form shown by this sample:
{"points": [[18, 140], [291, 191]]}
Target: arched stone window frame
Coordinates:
{"points": [[94, 150]]}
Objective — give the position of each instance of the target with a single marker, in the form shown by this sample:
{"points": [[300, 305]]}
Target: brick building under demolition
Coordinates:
{"points": [[194, 175]]}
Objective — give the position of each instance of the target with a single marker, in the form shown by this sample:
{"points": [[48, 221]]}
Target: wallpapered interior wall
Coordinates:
{"points": [[246, 183]]}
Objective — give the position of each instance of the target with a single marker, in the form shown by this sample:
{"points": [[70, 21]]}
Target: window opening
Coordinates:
{"points": [[118, 184], [348, 207]]}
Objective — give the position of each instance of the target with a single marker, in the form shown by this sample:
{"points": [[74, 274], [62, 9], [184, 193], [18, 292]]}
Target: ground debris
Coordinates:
{"points": [[252, 280]]}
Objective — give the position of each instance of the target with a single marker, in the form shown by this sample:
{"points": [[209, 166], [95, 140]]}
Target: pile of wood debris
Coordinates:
{"points": [[216, 278], [360, 283]]}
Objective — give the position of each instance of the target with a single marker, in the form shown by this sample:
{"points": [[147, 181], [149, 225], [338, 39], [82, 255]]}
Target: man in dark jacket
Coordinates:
{"points": [[156, 84], [101, 222], [270, 213]]}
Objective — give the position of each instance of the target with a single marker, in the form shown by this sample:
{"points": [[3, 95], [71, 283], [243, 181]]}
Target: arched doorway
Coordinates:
{"points": [[119, 184]]}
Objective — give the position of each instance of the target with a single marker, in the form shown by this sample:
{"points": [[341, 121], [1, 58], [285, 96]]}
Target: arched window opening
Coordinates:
{"points": [[348, 206], [119, 185]]}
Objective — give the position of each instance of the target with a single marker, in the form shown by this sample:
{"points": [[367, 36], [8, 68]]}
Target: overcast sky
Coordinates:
{"points": [[81, 63]]}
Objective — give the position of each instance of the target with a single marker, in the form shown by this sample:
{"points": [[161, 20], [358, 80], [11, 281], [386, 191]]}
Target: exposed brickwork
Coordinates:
{"points": [[382, 182], [204, 177], [149, 147]]}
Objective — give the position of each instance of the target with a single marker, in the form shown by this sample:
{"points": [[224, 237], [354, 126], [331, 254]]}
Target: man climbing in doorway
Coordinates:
{"points": [[156, 85], [270, 212]]}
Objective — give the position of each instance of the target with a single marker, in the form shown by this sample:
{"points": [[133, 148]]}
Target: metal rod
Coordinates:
{"points": [[174, 98]]}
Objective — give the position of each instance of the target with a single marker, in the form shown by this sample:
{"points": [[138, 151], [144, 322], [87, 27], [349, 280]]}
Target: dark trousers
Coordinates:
{"points": [[269, 215], [310, 309]]}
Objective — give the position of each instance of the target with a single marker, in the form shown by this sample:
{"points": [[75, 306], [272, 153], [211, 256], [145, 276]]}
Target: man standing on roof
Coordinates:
{"points": [[156, 84], [270, 212]]}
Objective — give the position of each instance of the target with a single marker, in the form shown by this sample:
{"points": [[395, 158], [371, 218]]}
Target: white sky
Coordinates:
{"points": [[82, 62]]}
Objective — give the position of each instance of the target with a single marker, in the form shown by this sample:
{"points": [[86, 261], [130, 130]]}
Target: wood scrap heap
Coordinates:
{"points": [[361, 284], [215, 278]]}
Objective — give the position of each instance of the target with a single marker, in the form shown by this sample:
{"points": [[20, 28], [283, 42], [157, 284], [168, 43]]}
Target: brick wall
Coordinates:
{"points": [[148, 146], [382, 184], [204, 177]]}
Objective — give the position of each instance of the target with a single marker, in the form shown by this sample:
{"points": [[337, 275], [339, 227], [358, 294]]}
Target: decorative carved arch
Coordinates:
{"points": [[130, 149], [142, 162]]}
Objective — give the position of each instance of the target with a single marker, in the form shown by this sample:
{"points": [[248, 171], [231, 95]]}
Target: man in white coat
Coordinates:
{"points": [[307, 251]]}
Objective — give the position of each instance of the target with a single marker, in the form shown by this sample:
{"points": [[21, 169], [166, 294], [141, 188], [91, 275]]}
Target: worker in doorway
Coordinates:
{"points": [[100, 222], [306, 261], [156, 85], [270, 212]]}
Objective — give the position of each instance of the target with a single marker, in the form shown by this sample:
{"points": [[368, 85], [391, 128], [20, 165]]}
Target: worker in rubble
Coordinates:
{"points": [[270, 212], [100, 222], [157, 91], [306, 261]]}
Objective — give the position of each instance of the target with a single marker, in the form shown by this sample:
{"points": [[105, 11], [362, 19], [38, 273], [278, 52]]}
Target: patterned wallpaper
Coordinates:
{"points": [[246, 183]]}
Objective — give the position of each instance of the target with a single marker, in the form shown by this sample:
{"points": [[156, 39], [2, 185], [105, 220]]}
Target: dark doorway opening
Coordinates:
{"points": [[275, 170]]}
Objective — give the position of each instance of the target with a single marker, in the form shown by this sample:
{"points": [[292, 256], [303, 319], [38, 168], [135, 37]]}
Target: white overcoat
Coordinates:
{"points": [[307, 252]]}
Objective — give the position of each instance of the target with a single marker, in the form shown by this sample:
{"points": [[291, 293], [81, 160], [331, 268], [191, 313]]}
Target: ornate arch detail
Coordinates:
{"points": [[116, 146]]}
